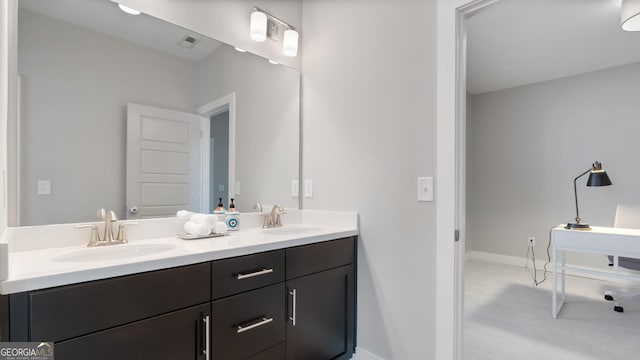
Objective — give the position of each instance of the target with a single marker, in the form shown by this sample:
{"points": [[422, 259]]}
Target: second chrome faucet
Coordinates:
{"points": [[271, 219], [107, 238]]}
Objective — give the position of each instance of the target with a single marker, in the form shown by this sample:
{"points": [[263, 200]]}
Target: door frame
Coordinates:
{"points": [[451, 164], [215, 107]]}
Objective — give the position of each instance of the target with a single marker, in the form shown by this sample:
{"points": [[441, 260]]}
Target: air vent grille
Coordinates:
{"points": [[188, 41]]}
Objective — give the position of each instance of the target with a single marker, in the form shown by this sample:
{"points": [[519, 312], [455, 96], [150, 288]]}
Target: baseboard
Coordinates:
{"points": [[521, 262], [501, 259], [362, 354]]}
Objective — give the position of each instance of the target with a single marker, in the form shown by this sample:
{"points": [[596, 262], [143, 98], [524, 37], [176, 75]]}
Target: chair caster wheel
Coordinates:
{"points": [[618, 309], [608, 297]]}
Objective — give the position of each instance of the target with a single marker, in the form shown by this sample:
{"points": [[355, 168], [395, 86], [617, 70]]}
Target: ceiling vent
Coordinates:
{"points": [[188, 41]]}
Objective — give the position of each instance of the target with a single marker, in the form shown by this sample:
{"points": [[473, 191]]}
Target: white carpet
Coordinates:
{"points": [[506, 317]]}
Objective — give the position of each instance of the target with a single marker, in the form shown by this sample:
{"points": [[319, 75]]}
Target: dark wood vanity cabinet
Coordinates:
{"points": [[295, 304]]}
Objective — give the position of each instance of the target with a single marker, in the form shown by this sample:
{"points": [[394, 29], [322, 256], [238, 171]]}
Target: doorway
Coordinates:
{"points": [[218, 150], [451, 118], [219, 159]]}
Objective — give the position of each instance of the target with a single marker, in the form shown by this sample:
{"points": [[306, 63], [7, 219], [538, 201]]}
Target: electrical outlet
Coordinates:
{"points": [[531, 241]]}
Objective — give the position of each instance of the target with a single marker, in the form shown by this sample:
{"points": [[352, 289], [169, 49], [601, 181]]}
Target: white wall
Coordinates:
{"points": [[227, 21], [369, 107], [75, 87], [267, 122], [528, 143]]}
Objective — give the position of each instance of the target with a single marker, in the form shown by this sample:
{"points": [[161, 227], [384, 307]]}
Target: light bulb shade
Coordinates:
{"points": [[630, 15], [290, 43], [258, 26], [598, 177]]}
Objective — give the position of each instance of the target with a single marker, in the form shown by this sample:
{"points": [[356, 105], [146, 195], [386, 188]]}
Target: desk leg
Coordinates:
{"points": [[564, 263], [554, 291]]}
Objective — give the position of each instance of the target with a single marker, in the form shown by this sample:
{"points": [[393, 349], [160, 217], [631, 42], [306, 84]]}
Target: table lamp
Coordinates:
{"points": [[597, 177]]}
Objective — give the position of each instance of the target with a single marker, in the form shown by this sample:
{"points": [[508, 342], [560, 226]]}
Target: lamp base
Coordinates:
{"points": [[578, 226]]}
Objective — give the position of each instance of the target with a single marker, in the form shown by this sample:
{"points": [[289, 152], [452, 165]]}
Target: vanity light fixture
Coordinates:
{"points": [[259, 24], [290, 43], [630, 15]]}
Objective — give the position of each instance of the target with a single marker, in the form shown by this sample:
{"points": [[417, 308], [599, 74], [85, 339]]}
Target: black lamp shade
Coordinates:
{"points": [[598, 178]]}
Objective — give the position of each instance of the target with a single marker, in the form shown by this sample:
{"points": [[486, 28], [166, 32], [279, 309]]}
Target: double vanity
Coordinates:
{"points": [[281, 293]]}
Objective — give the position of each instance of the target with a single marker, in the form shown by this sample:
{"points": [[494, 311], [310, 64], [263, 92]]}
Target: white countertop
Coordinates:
{"points": [[33, 269]]}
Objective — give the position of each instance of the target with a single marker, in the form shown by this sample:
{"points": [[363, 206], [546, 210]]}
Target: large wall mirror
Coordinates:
{"points": [[86, 69]]}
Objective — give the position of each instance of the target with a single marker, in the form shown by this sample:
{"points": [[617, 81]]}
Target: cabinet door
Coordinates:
{"points": [[321, 315], [176, 335]]}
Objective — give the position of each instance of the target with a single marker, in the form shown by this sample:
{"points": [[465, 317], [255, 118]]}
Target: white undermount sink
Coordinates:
{"points": [[290, 230], [112, 252]]}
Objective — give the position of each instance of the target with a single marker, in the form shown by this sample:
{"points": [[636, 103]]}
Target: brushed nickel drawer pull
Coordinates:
{"points": [[207, 347], [293, 293], [264, 271], [264, 321]]}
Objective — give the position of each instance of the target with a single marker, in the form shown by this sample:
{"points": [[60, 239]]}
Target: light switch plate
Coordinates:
{"points": [[236, 188], [308, 188], [44, 187], [220, 188], [425, 188], [295, 188]]}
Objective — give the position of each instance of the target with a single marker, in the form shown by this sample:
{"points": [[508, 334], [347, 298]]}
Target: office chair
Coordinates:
{"points": [[627, 216]]}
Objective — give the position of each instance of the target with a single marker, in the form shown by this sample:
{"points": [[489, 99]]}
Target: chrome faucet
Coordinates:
{"points": [[270, 219], [266, 217], [107, 237], [275, 215]]}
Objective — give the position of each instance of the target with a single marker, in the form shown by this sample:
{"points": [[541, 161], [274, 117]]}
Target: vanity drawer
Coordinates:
{"points": [[244, 273], [248, 323], [277, 352], [309, 259], [177, 335], [69, 311]]}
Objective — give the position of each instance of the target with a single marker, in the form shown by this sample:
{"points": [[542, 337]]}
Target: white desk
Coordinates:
{"points": [[599, 240]]}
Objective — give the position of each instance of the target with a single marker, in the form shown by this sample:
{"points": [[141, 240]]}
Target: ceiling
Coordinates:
{"points": [[104, 16], [519, 42]]}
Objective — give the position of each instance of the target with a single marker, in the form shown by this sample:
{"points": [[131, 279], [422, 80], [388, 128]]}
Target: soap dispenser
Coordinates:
{"points": [[220, 211], [233, 218]]}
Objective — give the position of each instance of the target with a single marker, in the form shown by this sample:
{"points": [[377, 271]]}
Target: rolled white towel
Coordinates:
{"points": [[183, 213], [192, 228], [211, 221], [198, 218], [220, 228]]}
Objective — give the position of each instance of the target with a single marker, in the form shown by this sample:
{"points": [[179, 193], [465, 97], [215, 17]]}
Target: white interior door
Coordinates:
{"points": [[164, 172]]}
